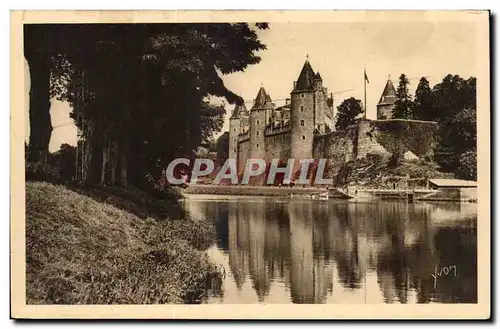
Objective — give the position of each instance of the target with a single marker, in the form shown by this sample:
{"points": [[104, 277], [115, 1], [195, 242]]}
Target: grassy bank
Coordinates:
{"points": [[82, 249], [250, 190]]}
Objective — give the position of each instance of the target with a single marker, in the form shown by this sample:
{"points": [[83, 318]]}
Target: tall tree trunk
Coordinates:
{"points": [[113, 159], [123, 163], [39, 110], [89, 147], [105, 160]]}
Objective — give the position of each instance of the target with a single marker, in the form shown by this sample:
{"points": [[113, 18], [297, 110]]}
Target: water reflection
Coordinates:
{"points": [[304, 251]]}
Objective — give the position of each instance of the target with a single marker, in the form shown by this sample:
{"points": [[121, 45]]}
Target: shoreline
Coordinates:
{"points": [[247, 190], [334, 193]]}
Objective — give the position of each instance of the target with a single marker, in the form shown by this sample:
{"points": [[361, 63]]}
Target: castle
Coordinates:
{"points": [[285, 132], [304, 127]]}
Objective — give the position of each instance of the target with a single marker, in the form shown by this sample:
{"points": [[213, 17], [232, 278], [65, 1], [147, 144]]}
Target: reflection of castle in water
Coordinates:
{"points": [[309, 246]]}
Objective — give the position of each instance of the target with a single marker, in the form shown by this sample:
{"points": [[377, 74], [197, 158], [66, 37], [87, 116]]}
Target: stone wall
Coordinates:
{"points": [[234, 130], [366, 142], [278, 145], [384, 111], [338, 147], [243, 154], [383, 137], [397, 136]]}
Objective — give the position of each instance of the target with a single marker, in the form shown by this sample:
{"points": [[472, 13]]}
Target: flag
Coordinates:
{"points": [[366, 78]]}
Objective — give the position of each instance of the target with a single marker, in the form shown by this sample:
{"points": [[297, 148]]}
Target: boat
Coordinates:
{"points": [[323, 196]]}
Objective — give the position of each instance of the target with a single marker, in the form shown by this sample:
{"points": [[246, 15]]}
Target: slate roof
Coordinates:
{"points": [[306, 78], [239, 111], [388, 95], [261, 99]]}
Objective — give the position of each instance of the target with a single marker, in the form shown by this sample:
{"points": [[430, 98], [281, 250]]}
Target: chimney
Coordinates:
{"points": [[294, 84]]}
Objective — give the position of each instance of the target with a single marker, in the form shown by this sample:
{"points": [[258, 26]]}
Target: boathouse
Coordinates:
{"points": [[454, 189]]}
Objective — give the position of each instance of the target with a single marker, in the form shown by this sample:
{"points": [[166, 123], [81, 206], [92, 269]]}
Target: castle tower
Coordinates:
{"points": [[235, 129], [303, 114], [323, 112], [258, 117], [386, 102]]}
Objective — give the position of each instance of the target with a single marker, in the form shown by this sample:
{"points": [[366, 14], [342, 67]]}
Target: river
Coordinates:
{"points": [[312, 251]]}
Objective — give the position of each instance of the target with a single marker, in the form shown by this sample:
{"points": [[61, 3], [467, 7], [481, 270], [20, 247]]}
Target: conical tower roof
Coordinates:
{"points": [[239, 111], [261, 99], [306, 78], [388, 95]]}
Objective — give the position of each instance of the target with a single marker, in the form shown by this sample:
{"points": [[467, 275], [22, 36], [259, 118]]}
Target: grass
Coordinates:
{"points": [[81, 250]]}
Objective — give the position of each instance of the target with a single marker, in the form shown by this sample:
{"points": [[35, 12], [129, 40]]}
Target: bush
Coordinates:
{"points": [[38, 171], [468, 165]]}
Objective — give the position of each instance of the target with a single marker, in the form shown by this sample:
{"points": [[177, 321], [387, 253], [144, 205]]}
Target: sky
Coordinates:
{"points": [[340, 51]]}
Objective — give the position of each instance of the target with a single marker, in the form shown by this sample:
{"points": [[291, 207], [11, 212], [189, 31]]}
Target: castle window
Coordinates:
{"points": [[235, 150], [301, 108], [257, 133], [303, 137], [302, 95], [234, 129], [257, 145], [302, 123], [319, 127], [258, 122]]}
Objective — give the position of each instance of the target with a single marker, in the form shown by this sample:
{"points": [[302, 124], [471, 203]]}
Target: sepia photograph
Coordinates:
{"points": [[251, 164]]}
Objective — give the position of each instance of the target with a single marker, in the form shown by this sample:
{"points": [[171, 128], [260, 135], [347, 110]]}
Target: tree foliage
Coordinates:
{"points": [[403, 106], [222, 148], [347, 113], [139, 91], [423, 108], [454, 101]]}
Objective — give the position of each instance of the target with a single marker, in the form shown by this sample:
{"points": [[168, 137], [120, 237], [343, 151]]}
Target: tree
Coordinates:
{"points": [[403, 106], [138, 92], [46, 47], [347, 113], [37, 51], [423, 108], [222, 148], [468, 164], [454, 101], [65, 161]]}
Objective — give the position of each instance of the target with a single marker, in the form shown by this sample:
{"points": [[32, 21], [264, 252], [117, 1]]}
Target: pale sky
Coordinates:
{"points": [[339, 51]]}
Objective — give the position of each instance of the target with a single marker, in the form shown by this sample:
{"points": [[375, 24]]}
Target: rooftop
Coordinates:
{"points": [[441, 182], [388, 95], [261, 99], [239, 110], [306, 78]]}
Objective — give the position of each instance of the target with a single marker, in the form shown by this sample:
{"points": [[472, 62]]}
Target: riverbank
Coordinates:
{"points": [[251, 190], [83, 250]]}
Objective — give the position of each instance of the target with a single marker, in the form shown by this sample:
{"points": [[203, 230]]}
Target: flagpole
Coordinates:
{"points": [[364, 80]]}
